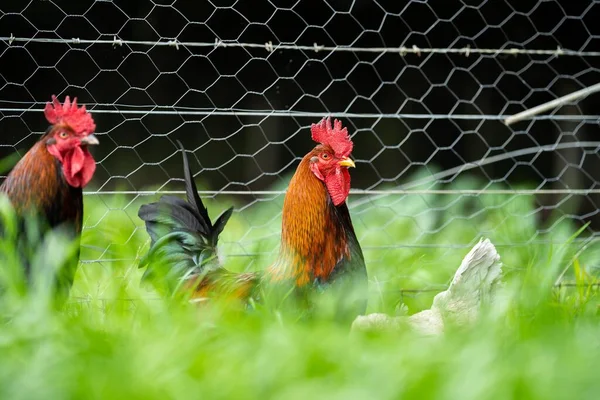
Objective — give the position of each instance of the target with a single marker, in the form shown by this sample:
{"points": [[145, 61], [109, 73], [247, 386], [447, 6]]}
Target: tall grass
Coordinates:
{"points": [[116, 339]]}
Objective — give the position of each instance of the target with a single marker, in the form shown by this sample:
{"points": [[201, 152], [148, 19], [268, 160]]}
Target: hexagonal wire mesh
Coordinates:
{"points": [[423, 89]]}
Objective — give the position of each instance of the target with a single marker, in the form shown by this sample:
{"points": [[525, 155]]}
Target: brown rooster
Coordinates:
{"points": [[47, 182], [319, 249]]}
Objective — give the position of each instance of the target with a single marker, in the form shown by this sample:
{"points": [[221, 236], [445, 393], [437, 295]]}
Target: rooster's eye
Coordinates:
{"points": [[63, 135], [325, 156]]}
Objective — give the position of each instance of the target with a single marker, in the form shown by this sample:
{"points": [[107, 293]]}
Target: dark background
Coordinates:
{"points": [[251, 152]]}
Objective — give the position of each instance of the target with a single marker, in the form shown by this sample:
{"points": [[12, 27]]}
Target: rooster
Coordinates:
{"points": [[47, 182], [319, 249]]}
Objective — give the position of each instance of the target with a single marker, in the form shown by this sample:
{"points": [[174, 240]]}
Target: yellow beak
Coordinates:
{"points": [[346, 162]]}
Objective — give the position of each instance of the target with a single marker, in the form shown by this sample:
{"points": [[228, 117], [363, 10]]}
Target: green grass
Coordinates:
{"points": [[117, 340]]}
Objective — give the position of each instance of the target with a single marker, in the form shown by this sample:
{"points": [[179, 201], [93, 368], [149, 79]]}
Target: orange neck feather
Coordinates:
{"points": [[312, 240]]}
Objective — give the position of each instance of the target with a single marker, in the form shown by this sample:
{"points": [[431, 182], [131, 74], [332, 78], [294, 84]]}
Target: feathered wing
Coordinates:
{"points": [[183, 238]]}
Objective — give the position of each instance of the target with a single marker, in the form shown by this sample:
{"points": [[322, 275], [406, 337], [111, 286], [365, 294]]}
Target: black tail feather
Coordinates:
{"points": [[183, 238], [192, 192]]}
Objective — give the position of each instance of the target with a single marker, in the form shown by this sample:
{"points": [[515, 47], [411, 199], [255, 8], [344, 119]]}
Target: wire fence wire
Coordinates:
{"points": [[424, 90]]}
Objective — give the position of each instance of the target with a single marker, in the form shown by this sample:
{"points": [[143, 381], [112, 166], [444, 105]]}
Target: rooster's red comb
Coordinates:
{"points": [[337, 137], [78, 119]]}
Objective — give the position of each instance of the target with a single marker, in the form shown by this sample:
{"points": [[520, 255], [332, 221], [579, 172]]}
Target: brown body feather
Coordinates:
{"points": [[225, 285], [37, 185]]}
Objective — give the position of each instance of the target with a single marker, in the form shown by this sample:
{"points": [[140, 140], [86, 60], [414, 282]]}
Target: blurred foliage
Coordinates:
{"points": [[117, 339]]}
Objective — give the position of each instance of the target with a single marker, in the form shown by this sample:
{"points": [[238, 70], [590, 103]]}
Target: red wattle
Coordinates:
{"points": [[78, 166], [338, 185]]}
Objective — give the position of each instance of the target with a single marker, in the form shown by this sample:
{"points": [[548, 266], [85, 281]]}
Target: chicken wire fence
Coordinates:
{"points": [[423, 88]]}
